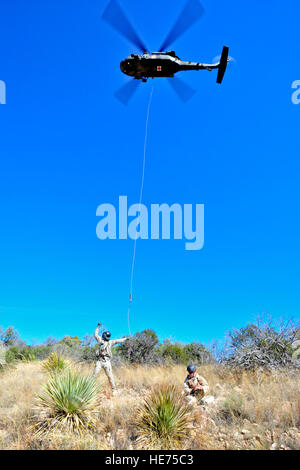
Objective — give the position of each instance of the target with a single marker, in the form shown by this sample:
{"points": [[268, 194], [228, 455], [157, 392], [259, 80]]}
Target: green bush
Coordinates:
{"points": [[139, 348], [195, 352], [69, 346], [173, 352], [42, 352], [89, 353], [15, 354]]}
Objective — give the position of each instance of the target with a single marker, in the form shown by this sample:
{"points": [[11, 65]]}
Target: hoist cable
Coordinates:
{"points": [[139, 209]]}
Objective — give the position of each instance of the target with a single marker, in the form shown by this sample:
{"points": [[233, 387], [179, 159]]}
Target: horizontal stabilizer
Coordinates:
{"points": [[223, 64]]}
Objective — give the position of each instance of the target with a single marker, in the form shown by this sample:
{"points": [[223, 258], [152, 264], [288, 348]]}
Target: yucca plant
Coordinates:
{"points": [[55, 363], [69, 402], [164, 419]]}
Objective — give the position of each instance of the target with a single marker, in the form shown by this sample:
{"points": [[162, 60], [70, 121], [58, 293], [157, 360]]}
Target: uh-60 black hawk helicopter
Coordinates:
{"points": [[160, 64]]}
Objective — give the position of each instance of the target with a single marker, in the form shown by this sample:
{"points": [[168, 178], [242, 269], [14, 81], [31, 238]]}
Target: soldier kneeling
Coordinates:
{"points": [[195, 386]]}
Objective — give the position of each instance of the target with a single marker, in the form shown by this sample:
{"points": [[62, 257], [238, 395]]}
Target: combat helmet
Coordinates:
{"points": [[191, 368], [106, 335]]}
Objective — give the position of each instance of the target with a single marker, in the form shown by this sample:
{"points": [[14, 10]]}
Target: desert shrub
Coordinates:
{"points": [[88, 353], [197, 353], [178, 353], [16, 354], [296, 346], [139, 348], [28, 354], [69, 346], [144, 348], [18, 350], [70, 400], [261, 345], [163, 420], [10, 355], [55, 363], [42, 352], [10, 337], [2, 356], [232, 407], [173, 352]]}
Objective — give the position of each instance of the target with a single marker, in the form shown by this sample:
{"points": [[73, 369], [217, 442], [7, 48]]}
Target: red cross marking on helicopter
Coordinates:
{"points": [[158, 68]]}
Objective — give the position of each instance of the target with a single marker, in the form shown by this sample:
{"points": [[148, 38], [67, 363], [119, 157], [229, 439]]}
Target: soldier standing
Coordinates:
{"points": [[195, 386], [105, 355]]}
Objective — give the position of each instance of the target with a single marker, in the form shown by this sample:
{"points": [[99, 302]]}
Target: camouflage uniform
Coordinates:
{"points": [[104, 357], [195, 388]]}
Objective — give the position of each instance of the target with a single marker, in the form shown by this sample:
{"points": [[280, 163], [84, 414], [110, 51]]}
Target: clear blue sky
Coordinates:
{"points": [[66, 146]]}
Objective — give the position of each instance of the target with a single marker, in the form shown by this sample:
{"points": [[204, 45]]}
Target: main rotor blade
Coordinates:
{"points": [[114, 15], [126, 92], [182, 89], [191, 13]]}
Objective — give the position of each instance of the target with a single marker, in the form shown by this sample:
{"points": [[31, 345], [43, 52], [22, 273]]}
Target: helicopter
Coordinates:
{"points": [[163, 63]]}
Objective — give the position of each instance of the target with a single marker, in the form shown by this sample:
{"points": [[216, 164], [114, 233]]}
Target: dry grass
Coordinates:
{"points": [[250, 411]]}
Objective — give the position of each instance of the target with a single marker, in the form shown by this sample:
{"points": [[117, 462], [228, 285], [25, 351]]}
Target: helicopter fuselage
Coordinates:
{"points": [[158, 64]]}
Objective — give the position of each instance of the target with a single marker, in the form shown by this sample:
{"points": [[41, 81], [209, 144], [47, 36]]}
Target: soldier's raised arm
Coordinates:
{"points": [[116, 341], [97, 337]]}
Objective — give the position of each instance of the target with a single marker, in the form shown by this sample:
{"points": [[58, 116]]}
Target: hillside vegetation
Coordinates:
{"points": [[252, 410], [50, 400]]}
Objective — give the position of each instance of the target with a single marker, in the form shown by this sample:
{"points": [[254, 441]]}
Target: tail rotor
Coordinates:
{"points": [[223, 64]]}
